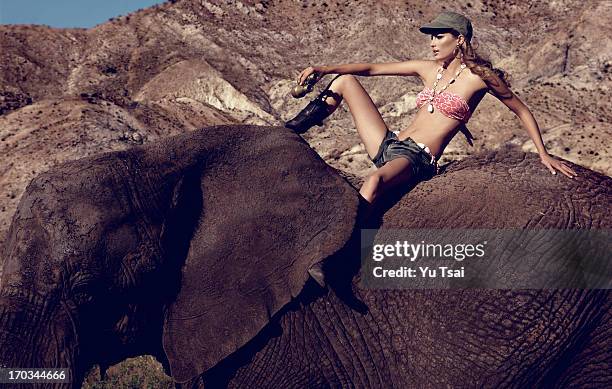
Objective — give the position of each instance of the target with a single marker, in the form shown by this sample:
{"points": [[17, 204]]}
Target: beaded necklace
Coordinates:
{"points": [[430, 107]]}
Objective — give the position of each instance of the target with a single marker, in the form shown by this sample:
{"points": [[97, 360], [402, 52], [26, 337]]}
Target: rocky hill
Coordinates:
{"points": [[181, 65]]}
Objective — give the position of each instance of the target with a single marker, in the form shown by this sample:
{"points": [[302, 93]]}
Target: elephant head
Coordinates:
{"points": [[108, 255]]}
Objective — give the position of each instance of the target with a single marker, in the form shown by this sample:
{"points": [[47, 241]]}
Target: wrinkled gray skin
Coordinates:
{"points": [[85, 301], [493, 339], [447, 338], [92, 267]]}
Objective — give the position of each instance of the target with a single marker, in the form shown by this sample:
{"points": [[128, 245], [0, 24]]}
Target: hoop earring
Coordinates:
{"points": [[457, 51], [460, 52]]}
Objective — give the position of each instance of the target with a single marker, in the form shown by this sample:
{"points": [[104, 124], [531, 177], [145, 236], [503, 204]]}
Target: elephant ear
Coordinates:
{"points": [[270, 208]]}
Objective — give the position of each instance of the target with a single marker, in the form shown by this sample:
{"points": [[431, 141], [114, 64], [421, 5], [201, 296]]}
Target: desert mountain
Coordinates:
{"points": [[182, 65]]}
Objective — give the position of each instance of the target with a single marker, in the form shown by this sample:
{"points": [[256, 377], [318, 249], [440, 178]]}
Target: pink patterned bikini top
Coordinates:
{"points": [[450, 104]]}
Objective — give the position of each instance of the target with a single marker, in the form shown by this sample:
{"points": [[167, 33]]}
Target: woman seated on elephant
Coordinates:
{"points": [[455, 82]]}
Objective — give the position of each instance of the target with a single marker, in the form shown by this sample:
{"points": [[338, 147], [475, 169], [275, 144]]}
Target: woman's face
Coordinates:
{"points": [[443, 45]]}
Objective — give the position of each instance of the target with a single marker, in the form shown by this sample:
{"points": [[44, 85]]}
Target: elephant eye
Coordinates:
{"points": [[81, 289], [81, 298]]}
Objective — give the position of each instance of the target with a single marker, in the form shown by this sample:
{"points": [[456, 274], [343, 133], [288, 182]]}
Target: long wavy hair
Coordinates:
{"points": [[495, 78]]}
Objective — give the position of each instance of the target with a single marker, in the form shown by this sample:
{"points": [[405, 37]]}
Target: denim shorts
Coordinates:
{"points": [[423, 164]]}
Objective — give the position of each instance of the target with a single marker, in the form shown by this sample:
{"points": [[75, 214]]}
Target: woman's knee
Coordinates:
{"points": [[371, 186], [347, 77], [376, 176], [373, 181], [343, 80]]}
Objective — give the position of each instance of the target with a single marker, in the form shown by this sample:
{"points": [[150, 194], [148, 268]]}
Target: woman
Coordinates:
{"points": [[455, 82]]}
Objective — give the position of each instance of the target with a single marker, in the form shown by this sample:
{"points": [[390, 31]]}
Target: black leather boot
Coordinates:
{"points": [[312, 114]]}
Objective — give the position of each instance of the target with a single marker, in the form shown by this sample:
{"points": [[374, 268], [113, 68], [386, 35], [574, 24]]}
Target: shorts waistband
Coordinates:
{"points": [[423, 147], [428, 151]]}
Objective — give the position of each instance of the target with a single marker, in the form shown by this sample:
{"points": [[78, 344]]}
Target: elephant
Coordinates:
{"points": [[99, 248], [162, 250]]}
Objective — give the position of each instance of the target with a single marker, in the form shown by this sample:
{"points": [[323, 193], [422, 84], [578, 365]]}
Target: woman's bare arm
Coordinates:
{"points": [[506, 96], [358, 69], [405, 68]]}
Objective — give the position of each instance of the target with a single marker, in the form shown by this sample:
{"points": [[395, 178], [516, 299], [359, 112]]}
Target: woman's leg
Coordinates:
{"points": [[393, 173], [370, 125], [372, 130]]}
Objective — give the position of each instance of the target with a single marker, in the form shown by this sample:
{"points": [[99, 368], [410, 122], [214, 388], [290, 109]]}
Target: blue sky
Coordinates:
{"points": [[67, 13]]}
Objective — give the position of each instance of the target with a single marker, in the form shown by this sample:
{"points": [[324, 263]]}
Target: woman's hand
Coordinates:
{"points": [[552, 164], [308, 71]]}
